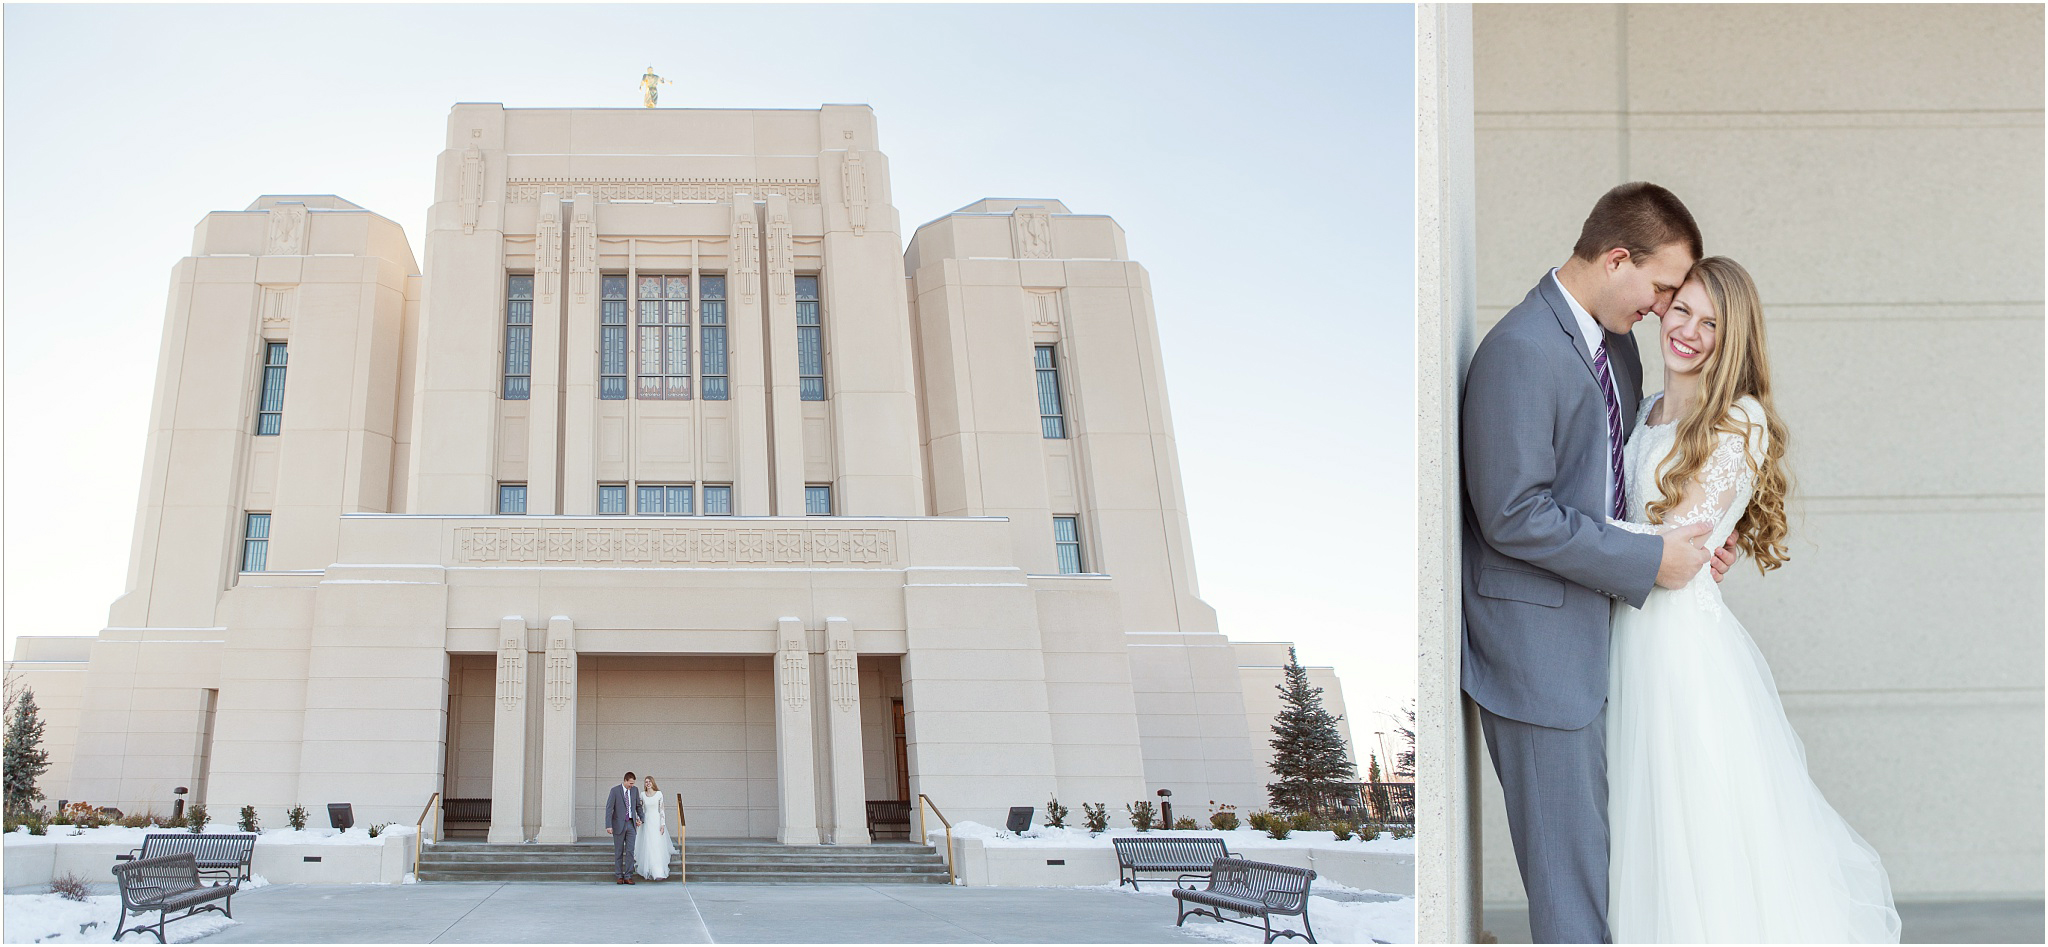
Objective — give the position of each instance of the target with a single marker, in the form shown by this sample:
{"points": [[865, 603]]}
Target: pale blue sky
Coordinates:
{"points": [[1259, 157]]}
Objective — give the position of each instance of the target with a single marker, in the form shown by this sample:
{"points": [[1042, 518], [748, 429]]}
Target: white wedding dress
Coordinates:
{"points": [[1717, 832], [653, 846]]}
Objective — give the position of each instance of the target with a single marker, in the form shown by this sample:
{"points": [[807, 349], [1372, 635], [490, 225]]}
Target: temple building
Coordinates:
{"points": [[672, 459]]}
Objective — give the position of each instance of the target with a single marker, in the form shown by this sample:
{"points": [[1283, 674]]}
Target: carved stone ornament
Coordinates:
{"points": [[561, 681], [278, 303], [583, 255], [1032, 229], [845, 676], [547, 252], [512, 673], [720, 190], [853, 186], [781, 254], [796, 676], [746, 250], [1045, 310], [287, 230], [472, 186], [528, 546]]}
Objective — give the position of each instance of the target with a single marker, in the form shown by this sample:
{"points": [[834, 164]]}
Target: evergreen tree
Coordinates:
{"points": [[1308, 751], [1376, 796], [25, 758], [1404, 761]]}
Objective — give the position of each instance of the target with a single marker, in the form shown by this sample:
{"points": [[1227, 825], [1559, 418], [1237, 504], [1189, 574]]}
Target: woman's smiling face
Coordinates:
{"points": [[1688, 330]]}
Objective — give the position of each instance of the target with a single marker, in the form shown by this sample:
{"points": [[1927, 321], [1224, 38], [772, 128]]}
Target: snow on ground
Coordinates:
{"points": [[70, 834], [1238, 840], [1335, 921], [51, 919]]}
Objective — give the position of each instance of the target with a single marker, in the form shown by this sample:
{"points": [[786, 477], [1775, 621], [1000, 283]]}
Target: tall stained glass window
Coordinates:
{"points": [[612, 358], [270, 407], [1066, 541], [1051, 422], [665, 500], [255, 542], [711, 319], [810, 342], [665, 337], [519, 338]]}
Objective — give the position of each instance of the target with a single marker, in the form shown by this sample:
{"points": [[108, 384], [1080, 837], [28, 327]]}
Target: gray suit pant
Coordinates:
{"points": [[622, 848], [1555, 782]]}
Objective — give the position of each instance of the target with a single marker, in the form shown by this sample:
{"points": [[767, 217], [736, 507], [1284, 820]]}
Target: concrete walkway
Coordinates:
{"points": [[697, 914], [1920, 922]]}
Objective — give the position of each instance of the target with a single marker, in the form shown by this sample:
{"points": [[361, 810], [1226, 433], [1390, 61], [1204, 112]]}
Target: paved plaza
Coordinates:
{"points": [[664, 912]]}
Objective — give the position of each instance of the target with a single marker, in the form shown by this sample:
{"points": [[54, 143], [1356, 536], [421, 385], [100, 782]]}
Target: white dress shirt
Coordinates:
{"points": [[1592, 336]]}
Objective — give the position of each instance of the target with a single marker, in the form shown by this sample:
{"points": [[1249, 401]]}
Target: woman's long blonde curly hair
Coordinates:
{"points": [[1738, 366]]}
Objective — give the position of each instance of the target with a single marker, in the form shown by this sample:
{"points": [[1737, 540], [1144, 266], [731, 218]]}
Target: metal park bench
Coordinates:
{"points": [[164, 884], [1247, 888], [888, 817], [466, 818], [223, 857], [1184, 856]]}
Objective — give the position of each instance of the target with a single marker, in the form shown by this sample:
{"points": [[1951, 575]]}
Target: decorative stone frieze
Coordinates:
{"points": [[506, 545], [287, 230], [471, 194], [853, 188], [529, 190]]}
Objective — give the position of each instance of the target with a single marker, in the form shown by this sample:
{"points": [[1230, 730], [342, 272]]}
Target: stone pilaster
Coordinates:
{"points": [[795, 772], [747, 360], [558, 737], [550, 296], [849, 785], [577, 492], [508, 736], [784, 395]]}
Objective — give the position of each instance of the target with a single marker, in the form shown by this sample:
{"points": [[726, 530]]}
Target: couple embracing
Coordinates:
{"points": [[639, 829], [1655, 791]]}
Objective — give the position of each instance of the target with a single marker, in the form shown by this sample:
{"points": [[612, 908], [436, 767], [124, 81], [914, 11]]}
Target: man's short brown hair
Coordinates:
{"points": [[626, 777], [1639, 217]]}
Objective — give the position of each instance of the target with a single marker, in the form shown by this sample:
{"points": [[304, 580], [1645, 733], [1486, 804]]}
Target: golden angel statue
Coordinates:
{"points": [[650, 87]]}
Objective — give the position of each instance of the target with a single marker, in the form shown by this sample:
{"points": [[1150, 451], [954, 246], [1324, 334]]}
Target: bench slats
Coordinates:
{"points": [[166, 883], [1180, 855], [1252, 888]]}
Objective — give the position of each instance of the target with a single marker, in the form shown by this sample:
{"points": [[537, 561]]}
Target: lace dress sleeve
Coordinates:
{"points": [[1723, 483]]}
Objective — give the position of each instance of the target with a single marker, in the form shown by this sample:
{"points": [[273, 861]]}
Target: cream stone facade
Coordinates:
{"points": [[1879, 170], [932, 535]]}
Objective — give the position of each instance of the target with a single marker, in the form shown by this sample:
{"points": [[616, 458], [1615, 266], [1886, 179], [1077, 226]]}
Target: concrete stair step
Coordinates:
{"points": [[736, 861]]}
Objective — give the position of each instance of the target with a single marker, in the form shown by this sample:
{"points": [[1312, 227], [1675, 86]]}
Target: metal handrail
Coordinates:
{"points": [[682, 850], [419, 832], [923, 801]]}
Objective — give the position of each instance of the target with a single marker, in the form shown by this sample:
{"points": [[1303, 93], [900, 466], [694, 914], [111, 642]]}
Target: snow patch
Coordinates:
{"points": [[53, 919], [1238, 840]]}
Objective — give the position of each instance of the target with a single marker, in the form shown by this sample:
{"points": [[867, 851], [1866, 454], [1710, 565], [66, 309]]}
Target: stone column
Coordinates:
{"points": [[747, 360], [558, 737], [785, 412], [508, 736], [550, 294], [795, 773], [577, 492], [1447, 735], [849, 812]]}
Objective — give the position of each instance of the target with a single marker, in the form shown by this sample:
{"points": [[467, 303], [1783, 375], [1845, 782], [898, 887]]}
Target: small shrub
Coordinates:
{"points": [[296, 816], [1186, 822], [35, 820], [379, 828], [196, 818], [1096, 814], [1224, 819], [1404, 831], [176, 822], [1260, 820], [70, 887], [1279, 827], [1141, 814], [1055, 814], [1304, 821], [1342, 830], [249, 822], [140, 820]]}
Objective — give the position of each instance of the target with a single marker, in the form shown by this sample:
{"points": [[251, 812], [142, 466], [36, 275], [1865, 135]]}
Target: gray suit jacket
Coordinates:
{"points": [[1542, 566], [621, 808]]}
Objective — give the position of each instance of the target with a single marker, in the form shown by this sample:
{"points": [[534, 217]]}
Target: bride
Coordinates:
{"points": [[1718, 834], [652, 847]]}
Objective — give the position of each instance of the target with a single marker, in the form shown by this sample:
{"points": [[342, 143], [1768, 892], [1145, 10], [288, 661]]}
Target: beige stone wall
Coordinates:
{"points": [[1879, 170]]}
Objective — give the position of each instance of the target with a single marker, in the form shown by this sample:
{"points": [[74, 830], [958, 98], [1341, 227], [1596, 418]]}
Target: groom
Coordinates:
{"points": [[1549, 401], [622, 816]]}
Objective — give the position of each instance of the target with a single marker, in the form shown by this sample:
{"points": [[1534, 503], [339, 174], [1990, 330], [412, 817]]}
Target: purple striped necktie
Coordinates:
{"points": [[1619, 508]]}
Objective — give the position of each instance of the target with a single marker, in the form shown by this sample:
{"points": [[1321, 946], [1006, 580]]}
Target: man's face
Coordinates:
{"points": [[629, 782], [1638, 286]]}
